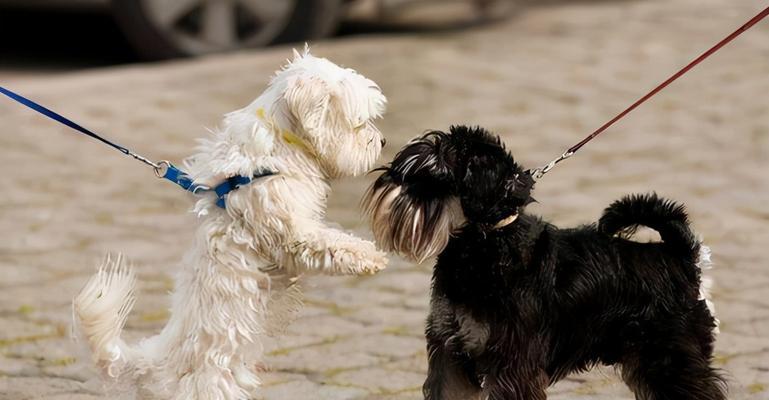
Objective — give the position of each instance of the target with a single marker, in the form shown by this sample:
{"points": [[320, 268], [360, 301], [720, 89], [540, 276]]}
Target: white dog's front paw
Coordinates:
{"points": [[377, 262], [361, 259]]}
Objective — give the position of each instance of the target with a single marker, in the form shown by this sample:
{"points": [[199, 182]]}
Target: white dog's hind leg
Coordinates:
{"points": [[101, 309], [215, 382], [211, 346]]}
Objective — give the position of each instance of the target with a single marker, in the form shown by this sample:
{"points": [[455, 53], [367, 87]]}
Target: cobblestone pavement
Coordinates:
{"points": [[543, 79]]}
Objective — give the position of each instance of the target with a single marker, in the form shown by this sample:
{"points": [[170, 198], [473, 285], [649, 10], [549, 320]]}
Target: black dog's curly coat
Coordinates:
{"points": [[517, 303]]}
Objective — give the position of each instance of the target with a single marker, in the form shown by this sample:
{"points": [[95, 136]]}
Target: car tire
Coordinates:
{"points": [[305, 20], [496, 10]]}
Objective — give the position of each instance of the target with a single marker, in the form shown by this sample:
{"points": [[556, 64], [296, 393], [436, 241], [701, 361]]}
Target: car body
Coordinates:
{"points": [[160, 29]]}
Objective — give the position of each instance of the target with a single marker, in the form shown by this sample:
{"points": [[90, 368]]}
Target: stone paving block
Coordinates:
{"points": [[35, 387], [303, 389], [321, 359], [382, 380]]}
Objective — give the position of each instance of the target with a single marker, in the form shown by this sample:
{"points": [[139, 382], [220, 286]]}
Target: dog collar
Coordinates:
{"points": [[294, 140], [507, 221], [289, 137]]}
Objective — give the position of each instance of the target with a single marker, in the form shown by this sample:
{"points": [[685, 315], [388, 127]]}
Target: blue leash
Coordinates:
{"points": [[163, 169]]}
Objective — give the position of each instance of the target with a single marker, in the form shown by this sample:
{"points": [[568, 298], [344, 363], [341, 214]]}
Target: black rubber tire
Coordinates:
{"points": [[311, 19]]}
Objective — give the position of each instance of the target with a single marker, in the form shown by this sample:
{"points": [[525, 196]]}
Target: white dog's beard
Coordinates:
{"points": [[348, 161]]}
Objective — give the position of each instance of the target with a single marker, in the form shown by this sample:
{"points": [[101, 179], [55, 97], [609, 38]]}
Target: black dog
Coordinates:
{"points": [[517, 303]]}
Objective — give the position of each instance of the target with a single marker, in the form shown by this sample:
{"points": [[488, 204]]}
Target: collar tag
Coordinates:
{"points": [[507, 221]]}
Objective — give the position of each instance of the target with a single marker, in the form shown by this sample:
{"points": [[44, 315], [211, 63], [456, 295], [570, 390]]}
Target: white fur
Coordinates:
{"points": [[706, 282], [102, 308], [238, 282]]}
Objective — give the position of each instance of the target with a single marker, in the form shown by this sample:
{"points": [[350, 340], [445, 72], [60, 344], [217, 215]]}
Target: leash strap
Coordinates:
{"points": [[539, 172], [168, 171], [66, 121], [163, 169]]}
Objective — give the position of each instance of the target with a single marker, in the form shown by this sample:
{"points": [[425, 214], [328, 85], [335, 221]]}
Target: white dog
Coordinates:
{"points": [[312, 124]]}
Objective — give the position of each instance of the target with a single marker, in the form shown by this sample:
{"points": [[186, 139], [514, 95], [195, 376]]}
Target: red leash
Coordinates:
{"points": [[537, 173]]}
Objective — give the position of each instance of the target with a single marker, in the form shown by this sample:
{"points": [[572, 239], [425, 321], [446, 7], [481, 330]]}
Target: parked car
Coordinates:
{"points": [[174, 28], [171, 28]]}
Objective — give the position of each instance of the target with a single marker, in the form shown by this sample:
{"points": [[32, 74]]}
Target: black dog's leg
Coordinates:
{"points": [[449, 375], [515, 383], [674, 375], [676, 365]]}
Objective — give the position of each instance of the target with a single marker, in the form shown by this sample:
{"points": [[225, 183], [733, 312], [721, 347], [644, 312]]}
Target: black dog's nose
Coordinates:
{"points": [[384, 142]]}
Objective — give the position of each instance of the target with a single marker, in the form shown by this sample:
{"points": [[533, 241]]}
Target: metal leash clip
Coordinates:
{"points": [[161, 168], [538, 173]]}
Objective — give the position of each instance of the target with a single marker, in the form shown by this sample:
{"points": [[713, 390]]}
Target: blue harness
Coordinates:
{"points": [[180, 178], [163, 169]]}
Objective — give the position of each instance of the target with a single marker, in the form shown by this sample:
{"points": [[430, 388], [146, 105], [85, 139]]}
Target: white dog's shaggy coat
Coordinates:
{"points": [[313, 123]]}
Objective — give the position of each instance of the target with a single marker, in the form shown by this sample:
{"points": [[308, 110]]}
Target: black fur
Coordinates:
{"points": [[518, 308]]}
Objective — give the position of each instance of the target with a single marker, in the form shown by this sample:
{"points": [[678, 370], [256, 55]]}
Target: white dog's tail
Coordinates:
{"points": [[100, 310]]}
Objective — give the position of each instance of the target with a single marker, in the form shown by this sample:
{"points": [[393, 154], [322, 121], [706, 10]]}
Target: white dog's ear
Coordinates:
{"points": [[309, 100]]}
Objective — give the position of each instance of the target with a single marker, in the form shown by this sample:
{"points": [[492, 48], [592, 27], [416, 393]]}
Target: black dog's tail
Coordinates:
{"points": [[665, 216]]}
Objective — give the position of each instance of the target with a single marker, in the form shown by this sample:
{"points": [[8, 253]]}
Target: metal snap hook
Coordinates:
{"points": [[161, 168]]}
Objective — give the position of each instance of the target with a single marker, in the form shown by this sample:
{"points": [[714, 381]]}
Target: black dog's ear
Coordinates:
{"points": [[494, 187], [412, 205]]}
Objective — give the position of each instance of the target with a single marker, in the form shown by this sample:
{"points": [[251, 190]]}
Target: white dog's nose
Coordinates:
{"points": [[384, 142]]}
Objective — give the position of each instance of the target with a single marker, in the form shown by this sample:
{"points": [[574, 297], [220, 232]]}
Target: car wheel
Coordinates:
{"points": [[173, 28], [496, 9]]}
